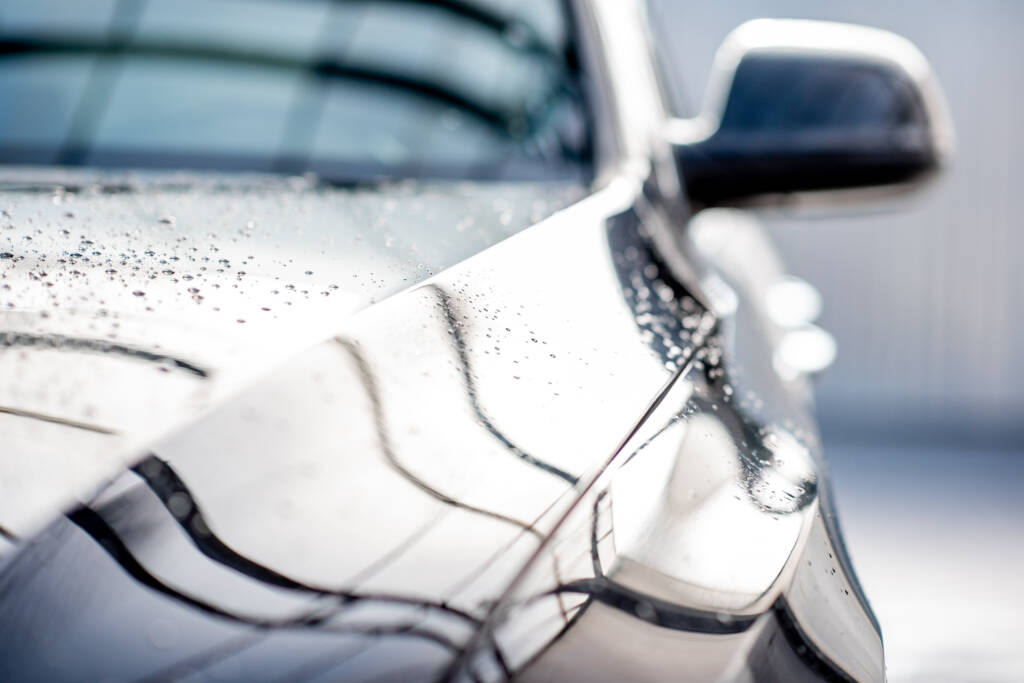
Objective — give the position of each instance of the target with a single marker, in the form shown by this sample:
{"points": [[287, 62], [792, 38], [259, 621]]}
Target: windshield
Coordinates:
{"points": [[348, 90]]}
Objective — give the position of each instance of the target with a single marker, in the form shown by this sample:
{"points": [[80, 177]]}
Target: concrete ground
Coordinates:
{"points": [[937, 538]]}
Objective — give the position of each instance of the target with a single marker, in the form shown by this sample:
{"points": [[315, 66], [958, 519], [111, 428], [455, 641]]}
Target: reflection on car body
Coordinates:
{"points": [[523, 424]]}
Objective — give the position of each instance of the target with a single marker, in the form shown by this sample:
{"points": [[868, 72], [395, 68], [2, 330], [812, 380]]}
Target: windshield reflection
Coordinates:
{"points": [[350, 90]]}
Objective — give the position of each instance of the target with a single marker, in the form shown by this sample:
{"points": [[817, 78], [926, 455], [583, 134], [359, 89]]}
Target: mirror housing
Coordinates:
{"points": [[799, 106]]}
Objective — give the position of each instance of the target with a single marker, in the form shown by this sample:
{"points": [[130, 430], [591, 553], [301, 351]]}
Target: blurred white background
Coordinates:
{"points": [[923, 412]]}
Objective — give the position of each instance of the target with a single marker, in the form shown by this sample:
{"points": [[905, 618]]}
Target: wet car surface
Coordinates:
{"points": [[164, 282], [517, 422]]}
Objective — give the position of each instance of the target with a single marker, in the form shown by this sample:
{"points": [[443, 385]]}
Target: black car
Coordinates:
{"points": [[414, 340]]}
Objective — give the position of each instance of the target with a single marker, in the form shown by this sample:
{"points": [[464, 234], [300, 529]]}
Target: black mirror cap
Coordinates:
{"points": [[805, 106]]}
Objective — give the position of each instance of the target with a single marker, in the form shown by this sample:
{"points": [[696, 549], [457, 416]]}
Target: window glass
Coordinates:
{"points": [[355, 89]]}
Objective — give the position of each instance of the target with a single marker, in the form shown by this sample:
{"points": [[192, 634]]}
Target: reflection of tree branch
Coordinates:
{"points": [[207, 658], [166, 484], [744, 430], [465, 367], [93, 524], [595, 556], [804, 647], [485, 633], [661, 430], [316, 668], [655, 610], [570, 620], [387, 448], [56, 419], [61, 342], [309, 669]]}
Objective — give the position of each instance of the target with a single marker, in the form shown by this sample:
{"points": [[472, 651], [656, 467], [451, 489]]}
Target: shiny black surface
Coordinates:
{"points": [[813, 117]]}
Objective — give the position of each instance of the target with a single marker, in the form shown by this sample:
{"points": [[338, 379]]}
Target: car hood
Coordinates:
{"points": [[130, 302], [533, 447], [378, 501]]}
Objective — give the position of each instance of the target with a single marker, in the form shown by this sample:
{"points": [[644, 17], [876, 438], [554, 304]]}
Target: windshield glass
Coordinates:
{"points": [[349, 90]]}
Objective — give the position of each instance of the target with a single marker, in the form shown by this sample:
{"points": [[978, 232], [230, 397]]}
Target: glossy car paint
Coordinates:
{"points": [[570, 456], [176, 289]]}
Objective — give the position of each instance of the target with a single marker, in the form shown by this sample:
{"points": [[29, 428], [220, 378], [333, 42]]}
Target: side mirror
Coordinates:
{"points": [[798, 106]]}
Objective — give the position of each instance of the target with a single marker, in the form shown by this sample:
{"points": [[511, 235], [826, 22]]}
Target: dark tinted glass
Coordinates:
{"points": [[349, 90]]}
